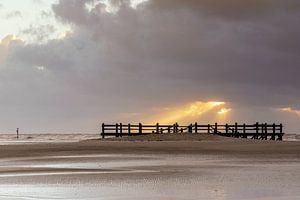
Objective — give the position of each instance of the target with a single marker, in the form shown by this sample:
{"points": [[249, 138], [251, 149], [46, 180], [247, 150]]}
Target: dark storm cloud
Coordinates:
{"points": [[234, 9], [163, 52], [257, 56], [72, 11]]}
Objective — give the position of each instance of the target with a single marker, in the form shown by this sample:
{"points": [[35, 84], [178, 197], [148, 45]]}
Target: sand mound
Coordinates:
{"points": [[170, 137]]}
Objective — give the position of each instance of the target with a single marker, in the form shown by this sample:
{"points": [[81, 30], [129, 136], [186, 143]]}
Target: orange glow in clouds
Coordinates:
{"points": [[290, 110], [190, 112], [224, 111]]}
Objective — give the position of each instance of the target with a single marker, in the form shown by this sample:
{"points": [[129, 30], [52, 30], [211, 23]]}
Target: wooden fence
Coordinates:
{"points": [[261, 131]]}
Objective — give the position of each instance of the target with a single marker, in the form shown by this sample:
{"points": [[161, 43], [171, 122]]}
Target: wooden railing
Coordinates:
{"points": [[262, 131]]}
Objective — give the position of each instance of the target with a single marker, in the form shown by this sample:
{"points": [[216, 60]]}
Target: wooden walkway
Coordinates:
{"points": [[262, 131]]}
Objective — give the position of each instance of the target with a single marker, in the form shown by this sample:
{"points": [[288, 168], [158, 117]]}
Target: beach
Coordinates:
{"points": [[151, 167]]}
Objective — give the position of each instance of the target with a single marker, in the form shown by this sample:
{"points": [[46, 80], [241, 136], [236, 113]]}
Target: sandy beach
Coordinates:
{"points": [[152, 167], [149, 100]]}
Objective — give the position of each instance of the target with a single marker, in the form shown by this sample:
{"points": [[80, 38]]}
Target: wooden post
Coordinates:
{"points": [[262, 131], [117, 130], [157, 128], [266, 131], [236, 130], [161, 130], [140, 128], [256, 129], [274, 132], [262, 136], [129, 129], [244, 131], [17, 133], [176, 128], [208, 128], [103, 130], [169, 129], [121, 130], [190, 128], [226, 129], [281, 132], [216, 128], [196, 127]]}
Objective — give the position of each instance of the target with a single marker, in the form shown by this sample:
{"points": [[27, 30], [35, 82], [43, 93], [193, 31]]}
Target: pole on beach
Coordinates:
{"points": [[226, 129], [176, 127], [117, 130], [17, 133], [103, 129], [281, 132], [129, 131], [244, 131], [190, 128], [236, 129], [256, 130], [274, 131], [266, 131], [121, 130], [216, 128], [140, 128]]}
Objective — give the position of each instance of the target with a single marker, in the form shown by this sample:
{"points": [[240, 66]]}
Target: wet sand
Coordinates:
{"points": [[181, 167]]}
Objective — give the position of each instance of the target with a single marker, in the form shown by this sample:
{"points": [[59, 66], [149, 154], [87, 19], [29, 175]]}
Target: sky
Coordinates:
{"points": [[68, 65]]}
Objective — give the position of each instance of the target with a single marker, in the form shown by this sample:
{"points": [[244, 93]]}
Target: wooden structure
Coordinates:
{"points": [[262, 131]]}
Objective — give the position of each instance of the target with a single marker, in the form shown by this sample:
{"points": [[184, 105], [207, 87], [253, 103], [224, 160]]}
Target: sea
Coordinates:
{"points": [[6, 139]]}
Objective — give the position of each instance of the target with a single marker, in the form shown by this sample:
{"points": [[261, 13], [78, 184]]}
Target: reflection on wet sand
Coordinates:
{"points": [[148, 176]]}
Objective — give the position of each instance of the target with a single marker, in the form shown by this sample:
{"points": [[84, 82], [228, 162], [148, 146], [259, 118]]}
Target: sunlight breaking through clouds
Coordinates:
{"points": [[224, 111], [190, 112], [6, 41]]}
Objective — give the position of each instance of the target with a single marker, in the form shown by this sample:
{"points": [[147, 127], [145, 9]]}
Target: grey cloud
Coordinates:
{"points": [[39, 33], [188, 47], [162, 52], [72, 10], [259, 55], [234, 9]]}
